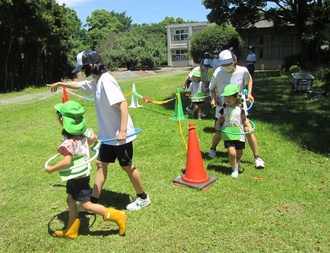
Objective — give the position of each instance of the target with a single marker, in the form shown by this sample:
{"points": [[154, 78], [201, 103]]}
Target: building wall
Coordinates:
{"points": [[178, 42], [271, 44]]}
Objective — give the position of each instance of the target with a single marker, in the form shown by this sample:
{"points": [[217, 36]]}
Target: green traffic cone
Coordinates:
{"points": [[178, 115]]}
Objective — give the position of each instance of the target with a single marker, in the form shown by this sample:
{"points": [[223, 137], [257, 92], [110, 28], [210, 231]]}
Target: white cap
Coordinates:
{"points": [[225, 57]]}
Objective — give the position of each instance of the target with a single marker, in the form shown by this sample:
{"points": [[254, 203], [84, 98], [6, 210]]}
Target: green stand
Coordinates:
{"points": [[178, 115]]}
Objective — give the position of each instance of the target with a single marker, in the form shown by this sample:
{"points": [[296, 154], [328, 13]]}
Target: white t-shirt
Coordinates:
{"points": [[194, 88], [107, 95], [222, 78], [233, 118]]}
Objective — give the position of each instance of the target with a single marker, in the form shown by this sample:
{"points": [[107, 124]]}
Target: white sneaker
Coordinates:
{"points": [[259, 163], [138, 203], [212, 153], [234, 174], [189, 110]]}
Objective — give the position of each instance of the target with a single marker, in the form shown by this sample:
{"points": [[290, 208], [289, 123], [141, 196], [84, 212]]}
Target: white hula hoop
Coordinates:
{"points": [[73, 167]]}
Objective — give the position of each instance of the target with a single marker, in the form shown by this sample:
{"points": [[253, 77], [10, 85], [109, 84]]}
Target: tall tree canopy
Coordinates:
{"points": [[102, 22], [36, 39], [311, 18]]}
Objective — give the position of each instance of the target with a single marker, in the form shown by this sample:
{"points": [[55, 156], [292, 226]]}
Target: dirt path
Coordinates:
{"points": [[122, 74]]}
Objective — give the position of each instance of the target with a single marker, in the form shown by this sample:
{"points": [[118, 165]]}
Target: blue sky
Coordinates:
{"points": [[142, 11]]}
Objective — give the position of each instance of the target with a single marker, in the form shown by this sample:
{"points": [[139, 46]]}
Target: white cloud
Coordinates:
{"points": [[70, 3]]}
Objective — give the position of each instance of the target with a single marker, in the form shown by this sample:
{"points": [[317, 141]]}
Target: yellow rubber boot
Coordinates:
{"points": [[119, 217], [72, 230]]}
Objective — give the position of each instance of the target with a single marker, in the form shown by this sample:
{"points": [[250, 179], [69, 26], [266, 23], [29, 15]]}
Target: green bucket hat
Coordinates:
{"points": [[230, 90], [197, 73], [73, 120]]}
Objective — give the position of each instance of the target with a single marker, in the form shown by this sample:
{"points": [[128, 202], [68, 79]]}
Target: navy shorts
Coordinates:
{"points": [[239, 145], [109, 154], [79, 188]]}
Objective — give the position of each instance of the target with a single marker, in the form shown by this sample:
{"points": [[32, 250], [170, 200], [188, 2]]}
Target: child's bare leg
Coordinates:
{"points": [[233, 162], [73, 211], [199, 108]]}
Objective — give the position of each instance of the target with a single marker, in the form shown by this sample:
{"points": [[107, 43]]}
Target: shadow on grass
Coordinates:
{"points": [[115, 199], [301, 120]]}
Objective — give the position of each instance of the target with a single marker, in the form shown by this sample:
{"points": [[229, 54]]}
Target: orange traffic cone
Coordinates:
{"points": [[195, 175], [64, 95]]}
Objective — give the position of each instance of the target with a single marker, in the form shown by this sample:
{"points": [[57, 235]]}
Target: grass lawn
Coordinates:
{"points": [[283, 208]]}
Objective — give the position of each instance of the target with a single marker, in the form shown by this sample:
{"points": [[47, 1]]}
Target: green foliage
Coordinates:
{"points": [[38, 39], [290, 61], [99, 24], [294, 69], [211, 38], [142, 47]]}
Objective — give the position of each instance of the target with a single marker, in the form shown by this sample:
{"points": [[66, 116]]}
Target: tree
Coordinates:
{"points": [[37, 42], [311, 18], [211, 38], [142, 47], [102, 22]]}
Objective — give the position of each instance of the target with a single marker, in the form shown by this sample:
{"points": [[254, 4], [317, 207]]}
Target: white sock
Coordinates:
{"points": [[234, 174]]}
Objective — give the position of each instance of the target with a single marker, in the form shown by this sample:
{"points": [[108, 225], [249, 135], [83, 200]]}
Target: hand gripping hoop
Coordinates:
{"points": [[99, 142]]}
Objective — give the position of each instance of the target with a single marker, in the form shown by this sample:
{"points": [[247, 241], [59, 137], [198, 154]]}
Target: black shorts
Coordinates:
{"points": [[109, 154], [239, 145], [79, 188]]}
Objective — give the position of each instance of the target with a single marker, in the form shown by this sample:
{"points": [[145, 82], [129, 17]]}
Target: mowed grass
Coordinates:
{"points": [[283, 208]]}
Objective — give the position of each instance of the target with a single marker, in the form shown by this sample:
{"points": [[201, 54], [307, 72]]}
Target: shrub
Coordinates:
{"points": [[294, 69]]}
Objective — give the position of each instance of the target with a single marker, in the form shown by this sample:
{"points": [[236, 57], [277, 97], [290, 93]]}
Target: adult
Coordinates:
{"points": [[114, 121], [231, 73], [215, 61], [251, 59]]}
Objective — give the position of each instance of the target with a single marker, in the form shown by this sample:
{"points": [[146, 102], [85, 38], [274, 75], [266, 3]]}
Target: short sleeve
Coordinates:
{"points": [[66, 148]]}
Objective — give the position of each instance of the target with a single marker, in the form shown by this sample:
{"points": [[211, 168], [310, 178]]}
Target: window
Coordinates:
{"points": [[179, 55], [180, 35]]}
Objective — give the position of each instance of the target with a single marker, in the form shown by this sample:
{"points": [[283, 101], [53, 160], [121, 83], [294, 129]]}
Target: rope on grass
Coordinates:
{"points": [[180, 125], [148, 100]]}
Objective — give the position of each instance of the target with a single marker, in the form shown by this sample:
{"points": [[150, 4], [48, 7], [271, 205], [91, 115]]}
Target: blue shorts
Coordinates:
{"points": [[79, 188], [109, 154], [238, 145]]}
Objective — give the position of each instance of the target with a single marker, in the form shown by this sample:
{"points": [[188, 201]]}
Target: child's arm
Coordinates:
{"points": [[91, 137], [220, 120], [66, 161], [247, 125], [122, 134]]}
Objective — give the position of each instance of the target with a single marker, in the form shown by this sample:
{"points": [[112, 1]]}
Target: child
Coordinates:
{"points": [[75, 151], [196, 92], [234, 121]]}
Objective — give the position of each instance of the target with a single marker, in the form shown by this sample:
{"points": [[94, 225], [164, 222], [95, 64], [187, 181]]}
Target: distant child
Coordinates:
{"points": [[234, 122], [75, 151], [196, 92]]}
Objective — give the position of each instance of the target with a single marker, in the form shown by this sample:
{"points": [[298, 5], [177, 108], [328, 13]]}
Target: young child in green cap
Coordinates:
{"points": [[196, 93], [233, 121], [75, 151]]}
